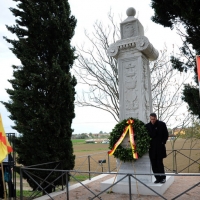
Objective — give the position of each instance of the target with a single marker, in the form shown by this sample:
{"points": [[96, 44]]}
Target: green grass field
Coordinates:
{"points": [[78, 141]]}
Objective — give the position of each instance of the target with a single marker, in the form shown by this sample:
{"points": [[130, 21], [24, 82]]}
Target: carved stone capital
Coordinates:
{"points": [[141, 43], [113, 50]]}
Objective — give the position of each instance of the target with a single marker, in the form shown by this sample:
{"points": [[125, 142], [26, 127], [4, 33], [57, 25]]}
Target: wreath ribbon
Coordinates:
{"points": [[129, 129]]}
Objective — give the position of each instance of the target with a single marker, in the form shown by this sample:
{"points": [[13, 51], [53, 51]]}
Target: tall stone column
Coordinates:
{"points": [[133, 53]]}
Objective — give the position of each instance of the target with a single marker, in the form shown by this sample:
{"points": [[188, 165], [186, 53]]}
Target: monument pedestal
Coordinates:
{"points": [[141, 166], [123, 187]]}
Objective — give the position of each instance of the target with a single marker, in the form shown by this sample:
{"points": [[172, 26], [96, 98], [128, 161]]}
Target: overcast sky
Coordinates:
{"points": [[86, 12]]}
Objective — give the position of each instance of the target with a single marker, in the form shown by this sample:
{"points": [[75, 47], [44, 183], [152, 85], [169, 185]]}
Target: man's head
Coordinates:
{"points": [[153, 118]]}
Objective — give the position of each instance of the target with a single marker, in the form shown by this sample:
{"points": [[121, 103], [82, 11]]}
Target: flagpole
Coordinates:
{"points": [[4, 186]]}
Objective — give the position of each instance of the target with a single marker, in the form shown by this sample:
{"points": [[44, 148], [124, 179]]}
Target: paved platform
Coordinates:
{"points": [[180, 184]]}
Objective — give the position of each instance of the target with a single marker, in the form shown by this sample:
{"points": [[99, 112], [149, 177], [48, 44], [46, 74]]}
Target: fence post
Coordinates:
{"points": [[108, 163], [61, 166], [174, 152], [129, 184], [176, 160], [89, 166], [21, 184], [67, 185]]}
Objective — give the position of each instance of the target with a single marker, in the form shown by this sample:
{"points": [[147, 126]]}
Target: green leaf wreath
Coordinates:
{"points": [[141, 138]]}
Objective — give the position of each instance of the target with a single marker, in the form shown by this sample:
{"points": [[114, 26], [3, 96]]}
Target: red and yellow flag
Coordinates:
{"points": [[5, 147], [198, 70], [129, 129]]}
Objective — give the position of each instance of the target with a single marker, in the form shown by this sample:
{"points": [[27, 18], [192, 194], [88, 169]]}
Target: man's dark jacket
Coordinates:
{"points": [[159, 135]]}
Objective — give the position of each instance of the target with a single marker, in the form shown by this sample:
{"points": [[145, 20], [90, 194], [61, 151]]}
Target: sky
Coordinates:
{"points": [[87, 120]]}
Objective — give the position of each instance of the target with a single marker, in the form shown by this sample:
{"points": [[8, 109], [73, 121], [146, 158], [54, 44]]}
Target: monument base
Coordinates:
{"points": [[141, 166], [123, 187]]}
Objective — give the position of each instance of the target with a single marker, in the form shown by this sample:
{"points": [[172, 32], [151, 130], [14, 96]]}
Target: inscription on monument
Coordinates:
{"points": [[129, 30], [130, 84], [139, 167]]}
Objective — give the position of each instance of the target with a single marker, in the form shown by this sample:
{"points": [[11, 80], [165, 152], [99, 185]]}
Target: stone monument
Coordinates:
{"points": [[133, 53]]}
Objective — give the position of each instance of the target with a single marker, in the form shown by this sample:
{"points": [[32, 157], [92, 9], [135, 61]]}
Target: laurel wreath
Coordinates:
{"points": [[141, 138]]}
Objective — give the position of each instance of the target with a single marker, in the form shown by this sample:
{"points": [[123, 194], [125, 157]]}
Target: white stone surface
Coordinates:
{"points": [[137, 44], [140, 166], [138, 188], [134, 87], [131, 11], [133, 53]]}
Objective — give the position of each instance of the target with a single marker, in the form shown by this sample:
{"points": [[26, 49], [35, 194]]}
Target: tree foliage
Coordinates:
{"points": [[183, 15], [42, 99]]}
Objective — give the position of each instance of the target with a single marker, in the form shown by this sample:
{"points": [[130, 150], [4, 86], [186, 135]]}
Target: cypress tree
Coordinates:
{"points": [[43, 89]]}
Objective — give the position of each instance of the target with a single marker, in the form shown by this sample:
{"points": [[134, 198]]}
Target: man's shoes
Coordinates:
{"points": [[156, 181], [163, 181]]}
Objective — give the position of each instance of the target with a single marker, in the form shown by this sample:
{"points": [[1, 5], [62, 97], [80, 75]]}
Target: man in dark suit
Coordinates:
{"points": [[159, 134]]}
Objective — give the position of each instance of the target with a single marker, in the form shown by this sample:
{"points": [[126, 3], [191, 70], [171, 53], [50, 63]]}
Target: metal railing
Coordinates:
{"points": [[98, 162], [180, 154], [95, 194], [94, 166], [32, 175]]}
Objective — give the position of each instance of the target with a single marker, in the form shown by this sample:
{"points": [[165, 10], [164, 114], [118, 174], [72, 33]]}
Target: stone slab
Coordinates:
{"points": [[123, 188], [141, 166]]}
